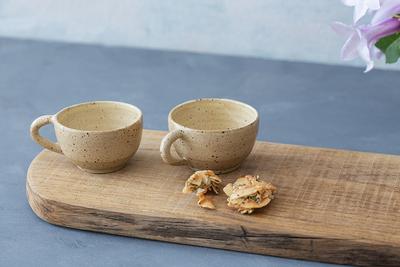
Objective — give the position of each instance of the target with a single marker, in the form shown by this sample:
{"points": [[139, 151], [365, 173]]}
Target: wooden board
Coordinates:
{"points": [[332, 205]]}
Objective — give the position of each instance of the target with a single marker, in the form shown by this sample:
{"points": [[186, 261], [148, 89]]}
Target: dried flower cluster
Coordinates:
{"points": [[201, 182], [249, 193], [246, 194]]}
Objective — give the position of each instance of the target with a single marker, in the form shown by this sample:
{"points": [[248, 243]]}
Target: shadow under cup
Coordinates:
{"points": [[214, 134]]}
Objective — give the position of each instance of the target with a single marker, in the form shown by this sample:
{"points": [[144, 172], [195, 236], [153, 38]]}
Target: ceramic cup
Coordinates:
{"points": [[98, 137], [210, 134]]}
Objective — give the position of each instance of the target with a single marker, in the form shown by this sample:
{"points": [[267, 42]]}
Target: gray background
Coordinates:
{"points": [[294, 30], [298, 103]]}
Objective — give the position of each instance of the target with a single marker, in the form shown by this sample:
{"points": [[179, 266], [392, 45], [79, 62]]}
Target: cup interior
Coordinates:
{"points": [[99, 116], [214, 114]]}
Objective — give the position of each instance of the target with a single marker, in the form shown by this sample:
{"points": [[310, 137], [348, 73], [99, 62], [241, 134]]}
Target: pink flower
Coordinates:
{"points": [[361, 39]]}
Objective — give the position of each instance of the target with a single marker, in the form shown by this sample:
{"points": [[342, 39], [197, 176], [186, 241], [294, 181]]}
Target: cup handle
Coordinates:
{"points": [[44, 142], [165, 148]]}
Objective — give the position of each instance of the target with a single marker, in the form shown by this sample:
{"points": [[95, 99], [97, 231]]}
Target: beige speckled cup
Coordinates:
{"points": [[210, 134], [98, 137]]}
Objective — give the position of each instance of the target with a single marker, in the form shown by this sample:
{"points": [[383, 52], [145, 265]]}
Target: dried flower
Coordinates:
{"points": [[248, 193]]}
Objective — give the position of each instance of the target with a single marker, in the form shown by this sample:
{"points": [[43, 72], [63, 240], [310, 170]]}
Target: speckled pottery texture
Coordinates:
{"points": [[98, 137], [212, 134]]}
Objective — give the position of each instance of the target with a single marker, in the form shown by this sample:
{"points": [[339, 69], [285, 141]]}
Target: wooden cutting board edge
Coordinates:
{"points": [[242, 239], [320, 249]]}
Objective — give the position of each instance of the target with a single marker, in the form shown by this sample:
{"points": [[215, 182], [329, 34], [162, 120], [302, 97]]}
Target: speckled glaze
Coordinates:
{"points": [[99, 137], [210, 134]]}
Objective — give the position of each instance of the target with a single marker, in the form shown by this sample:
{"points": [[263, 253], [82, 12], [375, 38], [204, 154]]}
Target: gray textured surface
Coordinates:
{"points": [[295, 30], [298, 103]]}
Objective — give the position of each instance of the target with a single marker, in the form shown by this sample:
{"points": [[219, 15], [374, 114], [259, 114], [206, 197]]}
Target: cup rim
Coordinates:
{"points": [[216, 130], [56, 121]]}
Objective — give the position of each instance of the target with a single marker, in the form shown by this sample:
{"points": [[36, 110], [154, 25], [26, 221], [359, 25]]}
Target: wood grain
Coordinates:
{"points": [[332, 205]]}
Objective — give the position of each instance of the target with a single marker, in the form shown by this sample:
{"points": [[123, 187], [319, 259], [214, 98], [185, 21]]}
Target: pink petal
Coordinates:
{"points": [[360, 10], [388, 9], [364, 53], [349, 50], [376, 31], [342, 29]]}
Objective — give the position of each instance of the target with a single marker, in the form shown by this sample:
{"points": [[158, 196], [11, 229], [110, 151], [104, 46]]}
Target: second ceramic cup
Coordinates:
{"points": [[212, 134]]}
